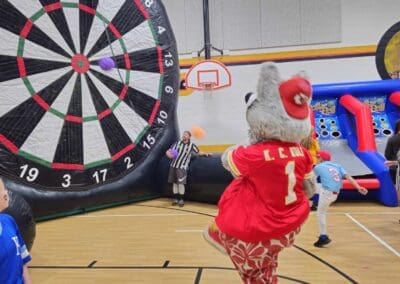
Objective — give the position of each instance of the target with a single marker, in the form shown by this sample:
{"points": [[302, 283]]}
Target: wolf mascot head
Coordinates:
{"points": [[280, 109]]}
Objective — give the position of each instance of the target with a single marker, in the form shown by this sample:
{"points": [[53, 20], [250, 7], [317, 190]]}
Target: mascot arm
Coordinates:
{"points": [[227, 163], [309, 186]]}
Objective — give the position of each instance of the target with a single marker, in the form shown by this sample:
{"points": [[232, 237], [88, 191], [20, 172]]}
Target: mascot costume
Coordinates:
{"points": [[262, 210]]}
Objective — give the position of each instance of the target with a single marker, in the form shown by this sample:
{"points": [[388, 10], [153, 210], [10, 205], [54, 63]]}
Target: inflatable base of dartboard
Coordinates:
{"points": [[143, 183], [207, 179], [22, 213]]}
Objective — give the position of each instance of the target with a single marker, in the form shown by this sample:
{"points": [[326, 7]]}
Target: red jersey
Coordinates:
{"points": [[266, 200]]}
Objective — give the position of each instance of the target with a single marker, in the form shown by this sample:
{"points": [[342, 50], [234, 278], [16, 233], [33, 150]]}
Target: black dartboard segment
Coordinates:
{"points": [[65, 122]]}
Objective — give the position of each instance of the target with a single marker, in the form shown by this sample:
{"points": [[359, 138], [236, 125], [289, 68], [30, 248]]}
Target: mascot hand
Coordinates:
{"points": [[309, 187], [225, 157]]}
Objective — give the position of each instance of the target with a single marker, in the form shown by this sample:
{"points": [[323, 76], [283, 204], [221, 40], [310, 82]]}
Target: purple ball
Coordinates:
{"points": [[107, 63], [174, 153]]}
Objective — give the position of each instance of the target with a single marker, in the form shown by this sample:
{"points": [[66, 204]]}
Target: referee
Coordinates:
{"points": [[179, 166]]}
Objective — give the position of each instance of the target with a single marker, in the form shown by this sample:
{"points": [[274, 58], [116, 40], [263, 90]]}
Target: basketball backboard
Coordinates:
{"points": [[208, 74]]}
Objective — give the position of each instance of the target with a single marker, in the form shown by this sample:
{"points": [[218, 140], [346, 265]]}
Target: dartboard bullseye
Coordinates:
{"points": [[80, 63], [69, 121]]}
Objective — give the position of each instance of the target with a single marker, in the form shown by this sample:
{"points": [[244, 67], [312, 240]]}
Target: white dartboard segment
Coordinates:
{"points": [[72, 18], [15, 87], [88, 108], [94, 144], [146, 82]]}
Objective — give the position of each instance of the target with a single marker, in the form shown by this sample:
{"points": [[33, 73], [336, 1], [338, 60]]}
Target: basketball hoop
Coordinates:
{"points": [[207, 90], [207, 76]]}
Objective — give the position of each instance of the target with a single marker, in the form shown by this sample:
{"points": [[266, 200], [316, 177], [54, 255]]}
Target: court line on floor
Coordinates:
{"points": [[299, 248], [364, 213], [396, 253], [93, 266], [189, 231], [135, 215], [331, 266]]}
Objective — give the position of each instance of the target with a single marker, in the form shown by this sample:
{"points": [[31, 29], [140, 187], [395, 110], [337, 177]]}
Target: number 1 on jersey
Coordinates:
{"points": [[289, 171]]}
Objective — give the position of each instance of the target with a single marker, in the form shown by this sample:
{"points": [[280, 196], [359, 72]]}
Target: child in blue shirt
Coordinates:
{"points": [[14, 255], [331, 176]]}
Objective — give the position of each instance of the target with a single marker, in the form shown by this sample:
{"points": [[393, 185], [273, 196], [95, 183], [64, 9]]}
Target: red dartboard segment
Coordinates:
{"points": [[127, 61], [41, 102], [123, 92], [26, 29], [8, 144], [160, 59], [142, 9], [52, 7], [123, 152], [73, 118], [114, 30], [87, 9], [64, 166], [104, 113], [154, 112], [21, 66]]}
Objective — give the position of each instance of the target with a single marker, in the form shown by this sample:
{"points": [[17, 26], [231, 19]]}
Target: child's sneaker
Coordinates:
{"points": [[175, 202], [322, 241], [212, 237], [181, 203]]}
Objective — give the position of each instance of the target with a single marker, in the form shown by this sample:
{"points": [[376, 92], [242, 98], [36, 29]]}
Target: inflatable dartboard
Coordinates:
{"points": [[388, 53], [67, 123]]}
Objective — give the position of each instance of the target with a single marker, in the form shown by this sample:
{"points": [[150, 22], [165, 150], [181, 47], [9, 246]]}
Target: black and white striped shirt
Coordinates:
{"points": [[184, 154]]}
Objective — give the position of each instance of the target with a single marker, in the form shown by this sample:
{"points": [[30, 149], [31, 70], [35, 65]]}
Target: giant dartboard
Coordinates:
{"points": [[65, 123]]}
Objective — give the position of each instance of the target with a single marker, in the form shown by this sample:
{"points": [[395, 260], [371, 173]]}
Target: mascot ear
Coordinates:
{"points": [[268, 81], [303, 74], [250, 98]]}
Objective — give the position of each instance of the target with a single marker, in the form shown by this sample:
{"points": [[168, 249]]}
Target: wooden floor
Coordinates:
{"points": [[153, 242]]}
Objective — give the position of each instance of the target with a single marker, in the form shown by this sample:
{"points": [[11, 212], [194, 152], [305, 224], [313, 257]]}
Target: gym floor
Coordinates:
{"points": [[154, 242]]}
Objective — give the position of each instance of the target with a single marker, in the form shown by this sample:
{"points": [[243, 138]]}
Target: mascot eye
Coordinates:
{"points": [[250, 98], [300, 99]]}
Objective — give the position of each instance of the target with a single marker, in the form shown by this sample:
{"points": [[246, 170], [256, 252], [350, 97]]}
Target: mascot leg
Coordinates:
{"points": [[257, 262]]}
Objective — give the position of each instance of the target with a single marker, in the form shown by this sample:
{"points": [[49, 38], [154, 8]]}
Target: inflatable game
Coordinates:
{"points": [[353, 121], [88, 101]]}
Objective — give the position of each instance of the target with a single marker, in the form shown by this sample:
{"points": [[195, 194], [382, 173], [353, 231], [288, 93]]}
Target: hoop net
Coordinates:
{"points": [[207, 89]]}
